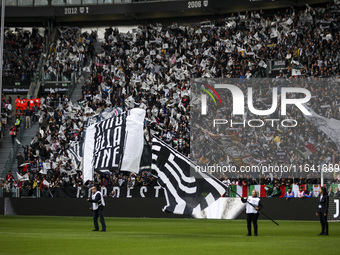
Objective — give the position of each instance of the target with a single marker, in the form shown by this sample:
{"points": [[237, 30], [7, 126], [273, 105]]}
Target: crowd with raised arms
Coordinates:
{"points": [[68, 54], [152, 67], [157, 62]]}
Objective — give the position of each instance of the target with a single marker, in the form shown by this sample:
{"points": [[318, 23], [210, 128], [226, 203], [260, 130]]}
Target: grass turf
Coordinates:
{"points": [[73, 235]]}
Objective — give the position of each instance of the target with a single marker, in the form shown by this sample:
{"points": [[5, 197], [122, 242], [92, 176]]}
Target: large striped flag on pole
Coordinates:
{"points": [[187, 190]]}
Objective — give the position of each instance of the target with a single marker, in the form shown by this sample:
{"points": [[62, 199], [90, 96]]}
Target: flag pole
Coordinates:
{"points": [[256, 210], [3, 4], [50, 191]]}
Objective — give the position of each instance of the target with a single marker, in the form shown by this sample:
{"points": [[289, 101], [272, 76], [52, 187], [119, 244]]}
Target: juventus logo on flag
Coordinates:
{"points": [[187, 190]]}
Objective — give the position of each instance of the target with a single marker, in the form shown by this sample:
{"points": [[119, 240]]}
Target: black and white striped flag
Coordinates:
{"points": [[187, 190]]}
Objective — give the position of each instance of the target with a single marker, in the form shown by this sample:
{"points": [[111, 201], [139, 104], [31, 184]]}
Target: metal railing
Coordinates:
{"points": [[13, 152], [36, 193], [32, 92], [38, 76], [15, 192], [10, 192], [60, 86], [71, 85]]}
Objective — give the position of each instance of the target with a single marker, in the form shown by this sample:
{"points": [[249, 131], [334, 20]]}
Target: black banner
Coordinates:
{"points": [[56, 87], [11, 86], [292, 209], [142, 7], [15, 90], [278, 64], [109, 140], [277, 208], [151, 207]]}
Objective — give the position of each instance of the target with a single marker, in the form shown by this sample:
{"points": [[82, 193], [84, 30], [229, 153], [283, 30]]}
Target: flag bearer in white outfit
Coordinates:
{"points": [[98, 205], [252, 210]]}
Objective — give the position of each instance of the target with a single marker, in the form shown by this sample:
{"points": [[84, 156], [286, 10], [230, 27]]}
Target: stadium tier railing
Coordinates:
{"points": [[12, 192], [71, 85], [17, 192], [60, 84], [33, 90], [40, 3], [13, 152]]}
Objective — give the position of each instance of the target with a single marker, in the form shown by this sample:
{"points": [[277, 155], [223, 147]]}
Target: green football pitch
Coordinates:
{"points": [[73, 235]]}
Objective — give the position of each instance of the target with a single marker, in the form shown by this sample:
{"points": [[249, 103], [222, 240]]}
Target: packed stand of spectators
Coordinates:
{"points": [[304, 147], [22, 50], [152, 68], [320, 29], [68, 54], [46, 163]]}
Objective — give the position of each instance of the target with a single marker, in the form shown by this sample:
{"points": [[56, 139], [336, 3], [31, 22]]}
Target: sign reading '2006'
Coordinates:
{"points": [[197, 4]]}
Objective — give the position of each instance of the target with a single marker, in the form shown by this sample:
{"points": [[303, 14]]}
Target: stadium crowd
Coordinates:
{"points": [[68, 54], [22, 50], [151, 68]]}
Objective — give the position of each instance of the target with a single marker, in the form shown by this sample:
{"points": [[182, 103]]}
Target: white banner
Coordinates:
{"points": [[134, 142], [22, 178], [88, 153], [224, 208]]}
